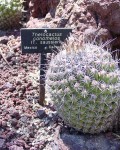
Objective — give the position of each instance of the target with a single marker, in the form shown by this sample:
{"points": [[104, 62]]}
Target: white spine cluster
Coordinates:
{"points": [[84, 84]]}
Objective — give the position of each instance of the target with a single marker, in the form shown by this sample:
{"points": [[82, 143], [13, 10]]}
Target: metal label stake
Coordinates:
{"points": [[42, 41]]}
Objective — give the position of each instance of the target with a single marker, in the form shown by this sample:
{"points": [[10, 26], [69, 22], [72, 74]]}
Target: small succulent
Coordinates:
{"points": [[84, 84], [10, 13]]}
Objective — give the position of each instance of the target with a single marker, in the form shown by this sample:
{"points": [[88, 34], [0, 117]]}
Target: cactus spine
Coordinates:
{"points": [[84, 84]]}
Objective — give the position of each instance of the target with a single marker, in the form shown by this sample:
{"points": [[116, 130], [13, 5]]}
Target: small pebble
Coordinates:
{"points": [[41, 113], [16, 115], [14, 122]]}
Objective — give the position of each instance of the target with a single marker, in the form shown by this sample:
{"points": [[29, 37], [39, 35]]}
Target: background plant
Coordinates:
{"points": [[10, 14]]}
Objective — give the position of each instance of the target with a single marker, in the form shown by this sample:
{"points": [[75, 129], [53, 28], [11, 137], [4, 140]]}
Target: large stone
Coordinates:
{"points": [[90, 142], [39, 8], [108, 13]]}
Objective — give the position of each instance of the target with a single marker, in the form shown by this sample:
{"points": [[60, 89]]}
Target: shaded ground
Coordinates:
{"points": [[89, 142]]}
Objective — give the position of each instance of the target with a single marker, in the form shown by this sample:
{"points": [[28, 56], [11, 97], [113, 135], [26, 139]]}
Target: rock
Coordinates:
{"points": [[41, 113], [39, 8], [14, 122], [8, 85], [22, 143], [107, 15], [23, 89], [12, 89], [85, 141], [33, 148], [48, 17], [9, 56], [2, 143], [35, 23], [24, 119], [18, 82], [74, 14], [4, 124], [63, 21], [20, 94], [101, 35], [16, 115], [10, 135], [15, 147], [29, 84], [3, 40]]}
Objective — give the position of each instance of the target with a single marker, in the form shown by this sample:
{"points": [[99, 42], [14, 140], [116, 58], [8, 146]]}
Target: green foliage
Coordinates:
{"points": [[84, 84], [10, 13]]}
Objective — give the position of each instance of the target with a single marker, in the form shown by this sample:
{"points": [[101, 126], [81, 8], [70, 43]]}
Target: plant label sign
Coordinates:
{"points": [[42, 41]]}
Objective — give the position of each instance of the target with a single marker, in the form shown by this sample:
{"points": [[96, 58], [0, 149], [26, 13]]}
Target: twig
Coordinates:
{"points": [[14, 47], [5, 59]]}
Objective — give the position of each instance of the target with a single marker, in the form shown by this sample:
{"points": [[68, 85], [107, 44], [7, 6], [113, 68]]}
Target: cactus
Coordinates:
{"points": [[84, 84], [10, 13]]}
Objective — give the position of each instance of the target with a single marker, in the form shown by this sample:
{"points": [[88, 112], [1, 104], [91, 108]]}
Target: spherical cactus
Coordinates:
{"points": [[84, 84], [10, 13]]}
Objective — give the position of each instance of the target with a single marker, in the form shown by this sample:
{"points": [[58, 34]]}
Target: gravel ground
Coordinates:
{"points": [[24, 124]]}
